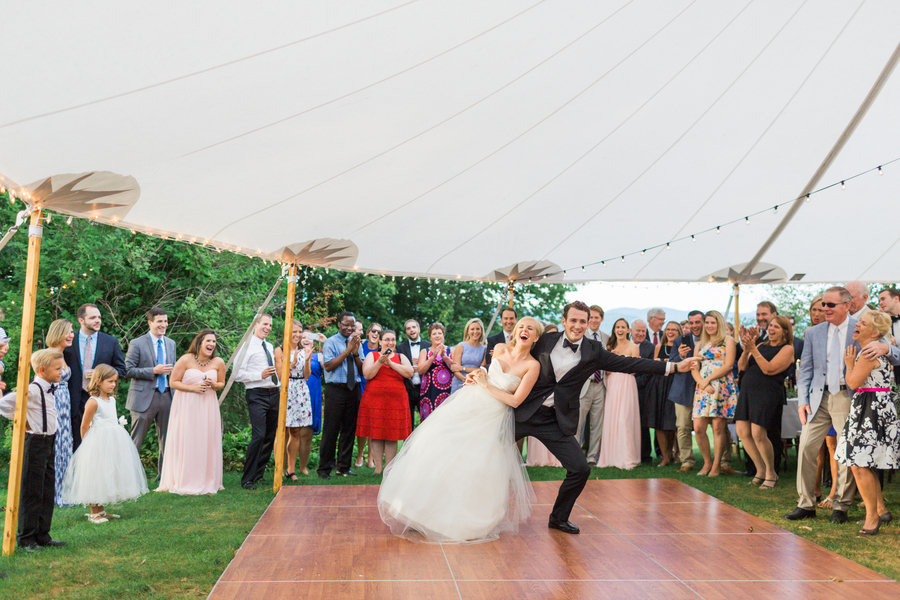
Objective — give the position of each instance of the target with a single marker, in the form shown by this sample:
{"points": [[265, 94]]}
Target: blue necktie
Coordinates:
{"points": [[160, 360]]}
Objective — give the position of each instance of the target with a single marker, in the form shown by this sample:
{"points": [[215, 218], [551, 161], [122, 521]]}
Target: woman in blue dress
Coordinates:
{"points": [[468, 354], [59, 337]]}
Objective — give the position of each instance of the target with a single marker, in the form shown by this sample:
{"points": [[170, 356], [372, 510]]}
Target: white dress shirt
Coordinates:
{"points": [[563, 359], [841, 331], [414, 348], [255, 362], [34, 414]]}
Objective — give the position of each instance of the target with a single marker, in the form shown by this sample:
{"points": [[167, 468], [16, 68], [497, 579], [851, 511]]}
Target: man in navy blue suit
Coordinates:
{"points": [[682, 391], [91, 347]]}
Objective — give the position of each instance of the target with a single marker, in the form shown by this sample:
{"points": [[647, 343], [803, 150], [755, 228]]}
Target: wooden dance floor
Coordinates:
{"points": [[640, 538]]}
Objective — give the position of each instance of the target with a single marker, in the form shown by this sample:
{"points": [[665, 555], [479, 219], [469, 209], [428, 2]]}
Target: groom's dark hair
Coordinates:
{"points": [[577, 305]]}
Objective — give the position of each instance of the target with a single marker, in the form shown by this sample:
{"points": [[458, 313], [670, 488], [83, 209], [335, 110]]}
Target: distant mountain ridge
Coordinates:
{"points": [[672, 314]]}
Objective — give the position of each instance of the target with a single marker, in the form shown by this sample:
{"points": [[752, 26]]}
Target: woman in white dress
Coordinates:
{"points": [[459, 477]]}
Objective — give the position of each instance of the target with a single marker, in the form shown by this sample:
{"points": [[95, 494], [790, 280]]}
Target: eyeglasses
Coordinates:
{"points": [[378, 331], [831, 304]]}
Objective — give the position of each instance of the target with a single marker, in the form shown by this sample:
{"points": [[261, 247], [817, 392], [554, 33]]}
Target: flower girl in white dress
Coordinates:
{"points": [[106, 467], [459, 477]]}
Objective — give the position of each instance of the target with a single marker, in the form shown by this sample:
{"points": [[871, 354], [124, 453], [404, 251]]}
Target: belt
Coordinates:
{"points": [[873, 390]]}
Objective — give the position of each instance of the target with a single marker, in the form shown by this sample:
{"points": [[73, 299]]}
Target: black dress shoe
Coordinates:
{"points": [[347, 473], [32, 548], [248, 486], [54, 543], [324, 475], [838, 516], [565, 526], [800, 513]]}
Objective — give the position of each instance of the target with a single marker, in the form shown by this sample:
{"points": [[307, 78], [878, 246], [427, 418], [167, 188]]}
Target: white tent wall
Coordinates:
{"points": [[450, 139]]}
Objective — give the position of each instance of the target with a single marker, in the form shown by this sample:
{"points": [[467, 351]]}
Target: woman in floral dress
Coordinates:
{"points": [[716, 395], [299, 420], [59, 337], [435, 368]]}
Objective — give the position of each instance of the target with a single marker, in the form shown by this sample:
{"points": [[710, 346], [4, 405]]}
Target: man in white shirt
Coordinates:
{"points": [[257, 373], [656, 319], [508, 319], [593, 395], [411, 347]]}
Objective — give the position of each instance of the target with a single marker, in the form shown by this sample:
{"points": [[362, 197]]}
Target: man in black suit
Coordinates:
{"points": [[91, 347], [550, 412], [410, 348], [645, 349], [508, 318]]}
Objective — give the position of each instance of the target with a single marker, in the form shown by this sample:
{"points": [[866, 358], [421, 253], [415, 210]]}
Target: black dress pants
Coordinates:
{"points": [[262, 404], [338, 427], [544, 426], [38, 487]]}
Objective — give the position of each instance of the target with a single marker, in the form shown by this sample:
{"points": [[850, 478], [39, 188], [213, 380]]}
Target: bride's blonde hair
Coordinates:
{"points": [[537, 325]]}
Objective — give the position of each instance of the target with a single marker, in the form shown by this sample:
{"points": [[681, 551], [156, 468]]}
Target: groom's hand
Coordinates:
{"points": [[685, 365]]}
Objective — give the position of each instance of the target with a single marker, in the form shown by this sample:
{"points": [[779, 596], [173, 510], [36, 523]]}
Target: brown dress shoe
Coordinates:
{"points": [[685, 469], [727, 469]]}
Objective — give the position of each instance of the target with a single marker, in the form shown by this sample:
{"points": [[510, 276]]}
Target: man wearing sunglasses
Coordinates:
{"points": [[824, 400]]}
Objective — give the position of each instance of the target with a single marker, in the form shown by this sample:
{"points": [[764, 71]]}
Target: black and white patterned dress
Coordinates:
{"points": [[871, 435]]}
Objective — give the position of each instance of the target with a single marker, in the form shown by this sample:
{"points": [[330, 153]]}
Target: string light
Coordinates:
{"points": [[843, 185], [880, 170]]}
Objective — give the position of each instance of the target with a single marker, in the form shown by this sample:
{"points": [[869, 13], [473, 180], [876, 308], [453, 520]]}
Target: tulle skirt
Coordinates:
{"points": [[105, 469], [459, 477]]}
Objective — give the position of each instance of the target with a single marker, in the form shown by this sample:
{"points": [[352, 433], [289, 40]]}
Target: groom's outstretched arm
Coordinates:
{"points": [[610, 361]]}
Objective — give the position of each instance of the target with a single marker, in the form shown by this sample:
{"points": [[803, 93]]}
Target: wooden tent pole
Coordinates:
{"points": [[511, 292], [285, 377], [18, 440], [737, 312]]}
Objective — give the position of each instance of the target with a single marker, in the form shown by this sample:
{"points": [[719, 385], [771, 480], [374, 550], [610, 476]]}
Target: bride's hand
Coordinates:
{"points": [[479, 377]]}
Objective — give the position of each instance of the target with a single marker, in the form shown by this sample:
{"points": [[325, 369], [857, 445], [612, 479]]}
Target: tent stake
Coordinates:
{"points": [[18, 442], [285, 377]]}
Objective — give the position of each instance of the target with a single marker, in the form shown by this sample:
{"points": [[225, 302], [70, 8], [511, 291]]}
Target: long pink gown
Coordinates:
{"points": [[193, 463], [620, 444], [537, 455]]}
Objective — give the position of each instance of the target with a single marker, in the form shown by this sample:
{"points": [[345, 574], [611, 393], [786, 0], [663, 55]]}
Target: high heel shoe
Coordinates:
{"points": [[886, 517], [873, 531]]}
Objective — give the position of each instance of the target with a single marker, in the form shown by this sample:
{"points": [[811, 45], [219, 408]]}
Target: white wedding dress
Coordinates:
{"points": [[459, 477]]}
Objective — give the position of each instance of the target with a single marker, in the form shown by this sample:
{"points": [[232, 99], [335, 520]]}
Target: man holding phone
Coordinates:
{"points": [[148, 364]]}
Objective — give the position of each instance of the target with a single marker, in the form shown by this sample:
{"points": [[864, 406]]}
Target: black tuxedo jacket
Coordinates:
{"points": [[108, 351], [567, 390], [646, 350], [403, 348], [497, 338]]}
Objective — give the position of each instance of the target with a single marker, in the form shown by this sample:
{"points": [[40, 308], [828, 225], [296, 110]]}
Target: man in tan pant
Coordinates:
{"points": [[682, 391]]}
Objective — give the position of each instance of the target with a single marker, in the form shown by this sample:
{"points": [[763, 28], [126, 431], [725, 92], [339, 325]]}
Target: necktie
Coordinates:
{"points": [[274, 378], [508, 336], [87, 363], [160, 360], [597, 377], [568, 344], [351, 372], [835, 362], [655, 338]]}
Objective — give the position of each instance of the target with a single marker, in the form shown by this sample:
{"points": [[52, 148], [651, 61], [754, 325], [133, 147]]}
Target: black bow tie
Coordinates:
{"points": [[568, 344], [53, 388], [895, 319]]}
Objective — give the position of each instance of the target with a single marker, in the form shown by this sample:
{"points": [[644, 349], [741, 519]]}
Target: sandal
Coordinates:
{"points": [[768, 487], [98, 518], [755, 481], [826, 502], [291, 476], [110, 515]]}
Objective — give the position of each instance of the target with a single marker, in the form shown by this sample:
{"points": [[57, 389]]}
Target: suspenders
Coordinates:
{"points": [[43, 407]]}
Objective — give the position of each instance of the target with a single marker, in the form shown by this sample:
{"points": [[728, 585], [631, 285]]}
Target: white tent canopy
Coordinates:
{"points": [[461, 139]]}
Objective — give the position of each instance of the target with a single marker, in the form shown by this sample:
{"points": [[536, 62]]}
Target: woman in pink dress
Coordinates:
{"points": [[193, 462], [620, 444]]}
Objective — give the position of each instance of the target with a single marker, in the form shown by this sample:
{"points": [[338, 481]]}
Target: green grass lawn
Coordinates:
{"points": [[168, 546]]}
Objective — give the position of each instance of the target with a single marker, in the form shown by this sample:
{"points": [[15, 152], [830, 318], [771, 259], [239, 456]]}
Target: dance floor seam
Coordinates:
{"points": [[329, 542]]}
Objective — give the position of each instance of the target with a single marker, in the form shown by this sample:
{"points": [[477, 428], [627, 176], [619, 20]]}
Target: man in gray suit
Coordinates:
{"points": [[824, 400], [593, 395], [148, 364]]}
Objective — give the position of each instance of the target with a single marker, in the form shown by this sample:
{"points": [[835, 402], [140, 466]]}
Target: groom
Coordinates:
{"points": [[550, 412]]}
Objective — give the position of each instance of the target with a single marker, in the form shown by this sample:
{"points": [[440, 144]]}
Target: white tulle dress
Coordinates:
{"points": [[106, 467], [459, 477]]}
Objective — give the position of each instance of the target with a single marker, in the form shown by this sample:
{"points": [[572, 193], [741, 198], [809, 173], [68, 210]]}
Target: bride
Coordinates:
{"points": [[459, 477]]}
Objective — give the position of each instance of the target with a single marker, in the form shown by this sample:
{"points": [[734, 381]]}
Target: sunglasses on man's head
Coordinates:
{"points": [[831, 304]]}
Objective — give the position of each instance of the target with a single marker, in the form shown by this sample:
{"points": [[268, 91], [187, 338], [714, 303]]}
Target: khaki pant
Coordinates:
{"points": [[832, 412], [593, 403], [684, 424]]}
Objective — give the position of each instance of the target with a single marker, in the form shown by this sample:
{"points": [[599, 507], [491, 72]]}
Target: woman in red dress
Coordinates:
{"points": [[384, 409]]}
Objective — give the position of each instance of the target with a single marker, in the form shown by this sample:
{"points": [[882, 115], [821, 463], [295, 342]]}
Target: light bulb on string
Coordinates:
{"points": [[718, 229], [807, 197], [880, 170], [643, 252], [693, 238], [843, 185], [623, 258], [747, 220]]}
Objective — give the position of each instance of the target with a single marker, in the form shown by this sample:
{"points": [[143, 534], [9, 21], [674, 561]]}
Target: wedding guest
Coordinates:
{"points": [[765, 311], [592, 399], [59, 337], [682, 391], [194, 443], [314, 381], [410, 348], [260, 379], [90, 347], [656, 318], [870, 438], [508, 318], [715, 396], [299, 415], [4, 349], [889, 303], [383, 415], [621, 445], [38, 457], [435, 367], [685, 326], [859, 298], [662, 411], [550, 328], [826, 452], [468, 355], [343, 362], [645, 350], [106, 468], [373, 335], [148, 364], [762, 395]]}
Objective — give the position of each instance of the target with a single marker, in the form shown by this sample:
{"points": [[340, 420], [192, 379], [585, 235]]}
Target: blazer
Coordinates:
{"points": [[107, 352], [139, 363], [493, 340], [811, 378], [683, 384], [567, 390]]}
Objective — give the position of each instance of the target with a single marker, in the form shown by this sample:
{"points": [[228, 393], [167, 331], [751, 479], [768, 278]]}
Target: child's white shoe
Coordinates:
{"points": [[98, 518], [110, 515]]}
